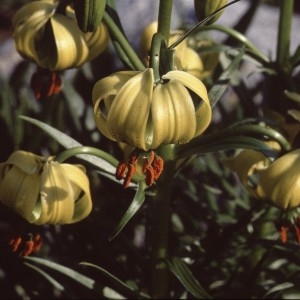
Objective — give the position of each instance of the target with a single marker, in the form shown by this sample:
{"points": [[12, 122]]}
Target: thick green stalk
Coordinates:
{"points": [[164, 18], [160, 208], [284, 32], [125, 52], [161, 213]]}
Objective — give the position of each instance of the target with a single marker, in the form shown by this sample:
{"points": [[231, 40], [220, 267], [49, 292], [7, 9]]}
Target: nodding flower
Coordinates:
{"points": [[276, 181], [53, 39], [130, 107], [44, 191]]}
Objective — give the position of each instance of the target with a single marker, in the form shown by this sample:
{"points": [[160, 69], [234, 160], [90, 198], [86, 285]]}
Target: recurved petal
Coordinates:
{"points": [[19, 191], [96, 41], [128, 116], [81, 187], [173, 114], [109, 86], [203, 109], [56, 205], [62, 45], [103, 95], [27, 21], [280, 182], [26, 161], [32, 12], [246, 164]]}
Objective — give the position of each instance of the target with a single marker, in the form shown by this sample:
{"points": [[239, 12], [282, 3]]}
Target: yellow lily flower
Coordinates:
{"points": [[280, 182], [44, 191], [53, 40], [275, 181], [130, 107]]}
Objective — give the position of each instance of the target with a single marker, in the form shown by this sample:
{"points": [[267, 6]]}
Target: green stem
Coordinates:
{"points": [[284, 31], [251, 49], [161, 214], [126, 52], [66, 154], [155, 58], [164, 19], [234, 135]]}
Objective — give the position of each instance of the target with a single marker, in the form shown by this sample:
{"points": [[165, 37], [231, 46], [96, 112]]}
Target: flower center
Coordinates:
{"points": [[152, 167]]}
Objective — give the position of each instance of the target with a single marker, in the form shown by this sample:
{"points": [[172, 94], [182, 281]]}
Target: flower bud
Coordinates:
{"points": [[204, 8], [89, 13], [43, 191]]}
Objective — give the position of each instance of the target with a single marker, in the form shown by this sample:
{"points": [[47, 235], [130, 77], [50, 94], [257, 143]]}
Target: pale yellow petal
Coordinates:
{"points": [[81, 187], [103, 95], [63, 46], [56, 196], [19, 191], [173, 114], [203, 110], [129, 113], [280, 182], [247, 163], [26, 161], [96, 41], [110, 85]]}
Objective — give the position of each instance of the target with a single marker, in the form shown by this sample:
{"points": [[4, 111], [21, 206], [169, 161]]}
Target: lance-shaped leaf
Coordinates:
{"points": [[136, 203], [179, 268]]}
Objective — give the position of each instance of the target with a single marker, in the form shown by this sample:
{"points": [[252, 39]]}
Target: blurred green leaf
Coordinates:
{"points": [[185, 276], [120, 285], [68, 142], [279, 287], [78, 277], [223, 81], [136, 203], [53, 281]]}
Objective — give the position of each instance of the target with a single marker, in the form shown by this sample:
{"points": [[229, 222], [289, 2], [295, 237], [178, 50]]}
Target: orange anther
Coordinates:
{"points": [[121, 170], [283, 234], [158, 166], [149, 176]]}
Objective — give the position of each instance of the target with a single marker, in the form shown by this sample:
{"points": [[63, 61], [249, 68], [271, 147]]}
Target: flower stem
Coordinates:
{"points": [[160, 224], [64, 155], [122, 46], [284, 31], [251, 49], [160, 210], [164, 19]]}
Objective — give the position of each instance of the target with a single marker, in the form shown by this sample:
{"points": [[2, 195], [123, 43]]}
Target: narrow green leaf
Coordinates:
{"points": [[279, 287], [125, 288], [76, 276], [228, 143], [136, 203], [221, 85], [179, 268], [68, 142], [53, 281]]}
